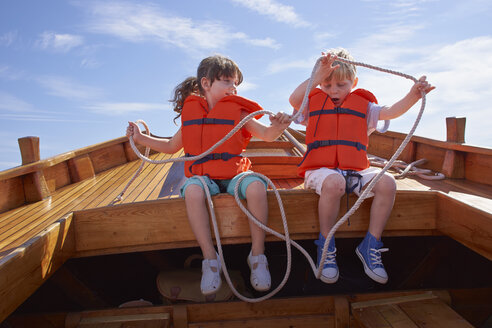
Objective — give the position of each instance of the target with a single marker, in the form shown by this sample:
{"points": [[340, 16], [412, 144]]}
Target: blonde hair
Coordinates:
{"points": [[345, 71]]}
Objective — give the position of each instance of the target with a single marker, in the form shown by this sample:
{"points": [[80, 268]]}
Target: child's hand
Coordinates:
{"points": [[421, 85], [281, 119], [133, 131], [326, 66]]}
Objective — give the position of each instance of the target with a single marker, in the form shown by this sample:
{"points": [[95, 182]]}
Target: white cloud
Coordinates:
{"points": [[65, 88], [59, 42], [11, 103], [8, 73], [40, 118], [246, 86], [138, 23], [281, 65], [275, 10], [7, 38], [125, 107]]}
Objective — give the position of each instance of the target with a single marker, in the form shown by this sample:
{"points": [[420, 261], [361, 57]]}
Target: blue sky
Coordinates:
{"points": [[74, 72]]}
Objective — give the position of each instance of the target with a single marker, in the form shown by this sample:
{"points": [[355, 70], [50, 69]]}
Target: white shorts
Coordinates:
{"points": [[313, 179]]}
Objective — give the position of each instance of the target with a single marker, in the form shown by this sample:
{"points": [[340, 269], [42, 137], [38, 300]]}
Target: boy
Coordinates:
{"points": [[339, 122]]}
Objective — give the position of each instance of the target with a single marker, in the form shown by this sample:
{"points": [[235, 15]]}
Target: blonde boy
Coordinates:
{"points": [[339, 121]]}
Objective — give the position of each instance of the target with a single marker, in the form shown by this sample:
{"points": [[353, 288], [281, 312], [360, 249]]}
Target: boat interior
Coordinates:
{"points": [[73, 255]]}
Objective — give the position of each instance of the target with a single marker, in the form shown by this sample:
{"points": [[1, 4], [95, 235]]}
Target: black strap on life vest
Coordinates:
{"points": [[324, 143], [337, 110], [206, 120], [210, 157]]}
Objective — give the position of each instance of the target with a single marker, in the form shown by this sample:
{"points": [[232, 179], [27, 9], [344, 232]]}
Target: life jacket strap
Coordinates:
{"points": [[324, 143], [210, 157], [337, 110], [206, 120]]}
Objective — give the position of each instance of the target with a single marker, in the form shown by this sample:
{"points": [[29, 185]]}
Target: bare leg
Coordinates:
{"points": [[199, 219], [384, 198], [329, 202], [258, 206]]}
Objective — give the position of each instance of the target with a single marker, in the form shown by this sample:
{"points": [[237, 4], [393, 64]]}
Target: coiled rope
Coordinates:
{"points": [[285, 237]]}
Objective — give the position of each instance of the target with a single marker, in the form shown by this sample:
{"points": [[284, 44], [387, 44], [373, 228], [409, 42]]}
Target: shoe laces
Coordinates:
{"points": [[376, 255], [331, 257]]}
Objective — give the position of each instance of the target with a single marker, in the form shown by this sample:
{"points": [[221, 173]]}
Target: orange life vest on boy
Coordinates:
{"points": [[336, 137], [201, 128]]}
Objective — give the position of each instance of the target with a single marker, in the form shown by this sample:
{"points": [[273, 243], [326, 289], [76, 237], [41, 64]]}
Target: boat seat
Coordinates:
{"points": [[420, 310]]}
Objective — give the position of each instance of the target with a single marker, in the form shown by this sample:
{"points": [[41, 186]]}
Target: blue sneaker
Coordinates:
{"points": [[369, 252], [329, 274]]}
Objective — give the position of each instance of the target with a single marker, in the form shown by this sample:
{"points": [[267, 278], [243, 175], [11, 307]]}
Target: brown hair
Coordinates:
{"points": [[212, 68]]}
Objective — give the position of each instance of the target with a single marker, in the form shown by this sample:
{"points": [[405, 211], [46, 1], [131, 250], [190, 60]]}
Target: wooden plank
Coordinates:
{"points": [[317, 321], [180, 316], [433, 313], [29, 266], [160, 222], [108, 157], [81, 168], [234, 310], [342, 312], [157, 320], [478, 168], [12, 191], [370, 318], [393, 300], [466, 224], [435, 143], [57, 176]]}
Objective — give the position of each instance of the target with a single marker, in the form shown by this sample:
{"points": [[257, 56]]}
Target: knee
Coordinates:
{"points": [[255, 190], [333, 185], [386, 185], [194, 193]]}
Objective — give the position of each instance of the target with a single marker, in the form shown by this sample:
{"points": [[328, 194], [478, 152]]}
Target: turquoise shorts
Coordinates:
{"points": [[217, 186]]}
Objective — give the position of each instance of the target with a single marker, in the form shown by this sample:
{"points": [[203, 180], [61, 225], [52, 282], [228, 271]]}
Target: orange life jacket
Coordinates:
{"points": [[201, 129], [336, 137]]}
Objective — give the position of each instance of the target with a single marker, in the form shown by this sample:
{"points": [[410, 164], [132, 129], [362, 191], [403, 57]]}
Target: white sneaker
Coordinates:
{"points": [[211, 280], [260, 276]]}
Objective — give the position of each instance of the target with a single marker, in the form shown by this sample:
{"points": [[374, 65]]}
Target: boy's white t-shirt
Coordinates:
{"points": [[373, 111]]}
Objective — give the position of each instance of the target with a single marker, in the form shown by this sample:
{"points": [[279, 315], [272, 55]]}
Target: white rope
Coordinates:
{"points": [[286, 237], [119, 198]]}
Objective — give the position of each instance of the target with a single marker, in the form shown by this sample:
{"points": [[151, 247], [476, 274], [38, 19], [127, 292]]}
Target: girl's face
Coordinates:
{"points": [[221, 87], [338, 90]]}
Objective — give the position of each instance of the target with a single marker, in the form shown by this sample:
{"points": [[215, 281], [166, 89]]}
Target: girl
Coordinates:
{"points": [[209, 108]]}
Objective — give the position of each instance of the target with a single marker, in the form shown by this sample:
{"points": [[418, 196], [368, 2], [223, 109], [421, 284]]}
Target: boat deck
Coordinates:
{"points": [[78, 218]]}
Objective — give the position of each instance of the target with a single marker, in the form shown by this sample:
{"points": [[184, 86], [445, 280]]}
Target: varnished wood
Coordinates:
{"points": [[421, 207], [161, 221], [29, 148], [454, 164], [24, 269], [455, 129], [81, 168], [412, 311], [469, 225]]}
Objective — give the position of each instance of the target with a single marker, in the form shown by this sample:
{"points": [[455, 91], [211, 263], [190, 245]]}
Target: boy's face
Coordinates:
{"points": [[338, 90], [221, 87]]}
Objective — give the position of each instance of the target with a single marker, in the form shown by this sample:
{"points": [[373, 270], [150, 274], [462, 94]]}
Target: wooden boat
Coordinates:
{"points": [[69, 256]]}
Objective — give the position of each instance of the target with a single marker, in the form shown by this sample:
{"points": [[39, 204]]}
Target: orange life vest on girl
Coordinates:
{"points": [[201, 128], [336, 137]]}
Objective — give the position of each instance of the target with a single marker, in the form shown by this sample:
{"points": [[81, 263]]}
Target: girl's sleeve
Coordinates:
{"points": [[373, 111]]}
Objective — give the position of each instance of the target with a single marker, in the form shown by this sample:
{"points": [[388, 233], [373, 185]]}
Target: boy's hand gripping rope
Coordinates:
{"points": [[286, 238]]}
